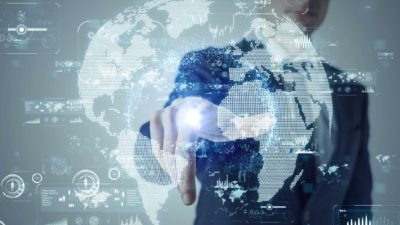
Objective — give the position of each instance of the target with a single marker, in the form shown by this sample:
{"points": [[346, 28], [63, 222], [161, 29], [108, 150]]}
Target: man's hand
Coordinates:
{"points": [[175, 129]]}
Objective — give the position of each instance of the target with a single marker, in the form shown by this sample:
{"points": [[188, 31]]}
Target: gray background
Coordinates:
{"points": [[360, 28]]}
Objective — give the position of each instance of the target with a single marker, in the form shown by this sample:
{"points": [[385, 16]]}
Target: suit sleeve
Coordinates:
{"points": [[360, 188]]}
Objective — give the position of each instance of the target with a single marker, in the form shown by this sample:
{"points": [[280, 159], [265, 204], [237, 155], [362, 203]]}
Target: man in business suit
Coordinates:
{"points": [[310, 193]]}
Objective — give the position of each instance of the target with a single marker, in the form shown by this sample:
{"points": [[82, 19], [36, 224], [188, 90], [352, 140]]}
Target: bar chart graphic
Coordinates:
{"points": [[367, 215], [369, 221]]}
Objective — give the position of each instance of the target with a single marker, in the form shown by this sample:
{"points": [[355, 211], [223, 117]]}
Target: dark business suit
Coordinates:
{"points": [[311, 200]]}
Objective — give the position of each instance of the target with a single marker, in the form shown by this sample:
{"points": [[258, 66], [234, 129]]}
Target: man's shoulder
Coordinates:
{"points": [[350, 97], [343, 83]]}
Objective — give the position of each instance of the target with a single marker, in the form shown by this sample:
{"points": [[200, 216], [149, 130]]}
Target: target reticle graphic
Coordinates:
{"points": [[18, 30], [29, 28], [86, 183], [13, 186]]}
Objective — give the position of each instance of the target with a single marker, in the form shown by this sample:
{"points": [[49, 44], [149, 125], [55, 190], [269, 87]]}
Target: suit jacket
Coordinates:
{"points": [[313, 198]]}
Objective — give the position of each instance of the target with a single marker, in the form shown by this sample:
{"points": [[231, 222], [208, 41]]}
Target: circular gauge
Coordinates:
{"points": [[79, 221], [37, 178], [114, 174], [86, 183], [55, 120], [13, 186], [94, 220]]}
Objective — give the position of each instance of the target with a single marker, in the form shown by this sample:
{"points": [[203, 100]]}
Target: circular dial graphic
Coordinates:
{"points": [[13, 186], [114, 174], [37, 178], [94, 220], [86, 183]]}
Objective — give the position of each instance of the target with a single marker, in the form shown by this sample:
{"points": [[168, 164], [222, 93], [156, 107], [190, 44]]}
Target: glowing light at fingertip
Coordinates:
{"points": [[192, 118]]}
